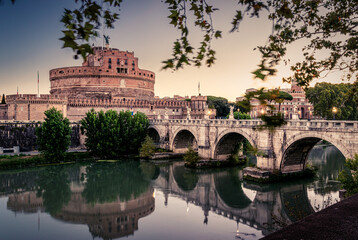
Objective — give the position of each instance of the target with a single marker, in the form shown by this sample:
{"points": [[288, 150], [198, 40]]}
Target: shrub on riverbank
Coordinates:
{"points": [[111, 134], [191, 157], [148, 148], [349, 181], [54, 135]]}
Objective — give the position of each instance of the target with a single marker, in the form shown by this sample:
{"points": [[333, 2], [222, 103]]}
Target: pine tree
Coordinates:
{"points": [[3, 99]]}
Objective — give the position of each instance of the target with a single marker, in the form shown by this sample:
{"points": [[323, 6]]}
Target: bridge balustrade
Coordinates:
{"points": [[306, 124]]}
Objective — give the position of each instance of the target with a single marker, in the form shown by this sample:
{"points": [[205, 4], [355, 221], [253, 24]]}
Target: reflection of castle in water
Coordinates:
{"points": [[108, 220], [262, 207]]}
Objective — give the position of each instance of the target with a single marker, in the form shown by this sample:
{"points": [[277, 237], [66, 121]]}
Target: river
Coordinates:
{"points": [[140, 200]]}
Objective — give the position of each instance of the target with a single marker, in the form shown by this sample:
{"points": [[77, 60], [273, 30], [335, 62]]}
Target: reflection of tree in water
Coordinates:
{"points": [[228, 185], [330, 161], [106, 182], [185, 178], [53, 185], [296, 204], [149, 170]]}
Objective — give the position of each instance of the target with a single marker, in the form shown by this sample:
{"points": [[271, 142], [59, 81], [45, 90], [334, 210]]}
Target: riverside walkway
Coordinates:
{"points": [[339, 221]]}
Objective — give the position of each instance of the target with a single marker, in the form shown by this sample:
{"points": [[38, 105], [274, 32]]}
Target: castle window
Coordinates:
{"points": [[118, 70], [60, 72], [133, 63], [100, 70], [109, 60], [117, 61], [151, 75], [109, 66], [126, 62], [140, 73], [133, 70]]}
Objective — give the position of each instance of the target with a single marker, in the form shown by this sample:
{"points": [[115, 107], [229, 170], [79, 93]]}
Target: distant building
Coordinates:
{"points": [[108, 79], [299, 104]]}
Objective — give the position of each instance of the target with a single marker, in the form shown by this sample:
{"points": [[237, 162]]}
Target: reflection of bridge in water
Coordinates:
{"points": [[224, 193]]}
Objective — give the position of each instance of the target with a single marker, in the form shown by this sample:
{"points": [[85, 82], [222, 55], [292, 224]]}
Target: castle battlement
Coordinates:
{"points": [[108, 79]]}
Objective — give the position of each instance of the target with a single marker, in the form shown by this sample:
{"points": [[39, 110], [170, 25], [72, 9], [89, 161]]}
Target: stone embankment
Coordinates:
{"points": [[339, 221]]}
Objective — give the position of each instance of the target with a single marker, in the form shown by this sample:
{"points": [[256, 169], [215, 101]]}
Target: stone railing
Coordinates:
{"points": [[302, 124]]}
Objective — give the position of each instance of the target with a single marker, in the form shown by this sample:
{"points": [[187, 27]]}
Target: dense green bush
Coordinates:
{"points": [[111, 134], [54, 135], [348, 180], [191, 157], [148, 148], [240, 115]]}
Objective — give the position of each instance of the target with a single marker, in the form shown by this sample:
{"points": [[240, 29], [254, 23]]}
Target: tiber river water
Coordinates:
{"points": [[140, 200]]}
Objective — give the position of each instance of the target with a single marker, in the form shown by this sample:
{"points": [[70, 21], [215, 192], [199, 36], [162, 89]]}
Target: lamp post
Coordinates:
{"points": [[262, 111], [334, 111], [238, 114]]}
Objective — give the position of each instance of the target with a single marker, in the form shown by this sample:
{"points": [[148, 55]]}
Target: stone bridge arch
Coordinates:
{"points": [[294, 153], [182, 139], [154, 134], [229, 138]]}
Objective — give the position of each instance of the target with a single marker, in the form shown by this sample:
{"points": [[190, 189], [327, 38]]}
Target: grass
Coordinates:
{"points": [[8, 162]]}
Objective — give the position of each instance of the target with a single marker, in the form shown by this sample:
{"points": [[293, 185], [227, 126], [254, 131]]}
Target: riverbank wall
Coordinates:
{"points": [[338, 221], [23, 134]]}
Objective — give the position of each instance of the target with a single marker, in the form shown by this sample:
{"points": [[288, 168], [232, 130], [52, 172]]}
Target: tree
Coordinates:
{"points": [[54, 135], [111, 134], [325, 96], [277, 96], [329, 25], [349, 181], [148, 148], [3, 99], [220, 104]]}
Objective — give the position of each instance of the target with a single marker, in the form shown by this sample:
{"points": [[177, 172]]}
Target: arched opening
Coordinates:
{"points": [[183, 140], [154, 135], [295, 156], [229, 144]]}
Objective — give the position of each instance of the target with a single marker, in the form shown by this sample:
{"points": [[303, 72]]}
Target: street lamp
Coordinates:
{"points": [[262, 111], [238, 114], [334, 111]]}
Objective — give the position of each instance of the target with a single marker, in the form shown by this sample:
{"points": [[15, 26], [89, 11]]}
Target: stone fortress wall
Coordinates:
{"points": [[108, 73], [108, 79]]}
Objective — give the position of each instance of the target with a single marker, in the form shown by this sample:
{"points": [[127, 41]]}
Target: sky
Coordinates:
{"points": [[29, 42]]}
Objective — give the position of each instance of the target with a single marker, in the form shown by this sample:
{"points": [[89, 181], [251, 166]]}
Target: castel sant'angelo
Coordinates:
{"points": [[108, 79]]}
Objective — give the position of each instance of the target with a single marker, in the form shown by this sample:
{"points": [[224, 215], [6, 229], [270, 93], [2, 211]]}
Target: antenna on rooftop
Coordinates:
{"points": [[38, 84], [199, 89]]}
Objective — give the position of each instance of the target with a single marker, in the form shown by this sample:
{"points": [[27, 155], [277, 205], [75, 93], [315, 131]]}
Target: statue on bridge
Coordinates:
{"points": [[231, 116], [166, 116], [295, 112], [188, 110]]}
